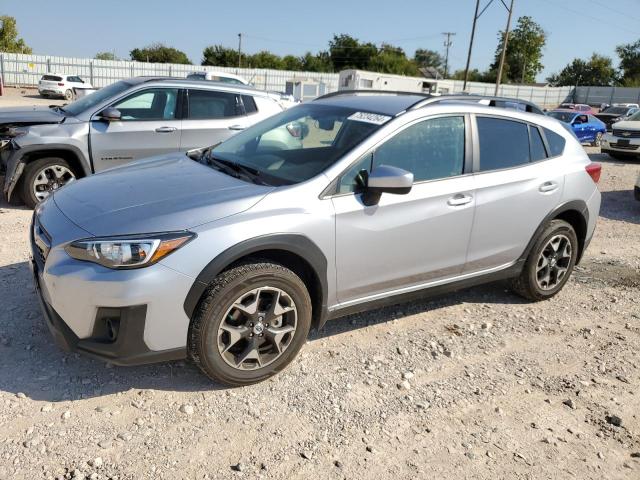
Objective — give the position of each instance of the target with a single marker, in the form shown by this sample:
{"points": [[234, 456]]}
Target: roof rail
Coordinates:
{"points": [[499, 102], [374, 92]]}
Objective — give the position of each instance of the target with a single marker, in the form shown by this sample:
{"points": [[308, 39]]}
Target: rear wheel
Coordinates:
{"points": [[43, 177], [549, 263], [68, 95], [250, 324]]}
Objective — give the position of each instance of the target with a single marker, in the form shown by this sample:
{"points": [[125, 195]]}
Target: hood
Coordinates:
{"points": [[627, 125], [24, 116], [608, 116], [165, 193]]}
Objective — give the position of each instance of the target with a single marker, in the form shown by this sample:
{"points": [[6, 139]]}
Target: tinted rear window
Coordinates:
{"points": [[52, 78], [503, 143], [196, 76], [555, 141]]}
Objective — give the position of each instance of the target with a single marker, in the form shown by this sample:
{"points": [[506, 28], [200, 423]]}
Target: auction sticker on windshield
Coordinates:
{"points": [[368, 117]]}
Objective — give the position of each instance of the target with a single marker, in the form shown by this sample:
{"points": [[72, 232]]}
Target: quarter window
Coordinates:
{"points": [[555, 142], [209, 104], [503, 143], [249, 104], [151, 104], [538, 151]]}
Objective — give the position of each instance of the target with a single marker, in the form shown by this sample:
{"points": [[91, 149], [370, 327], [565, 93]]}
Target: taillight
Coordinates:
{"points": [[61, 84], [594, 170]]}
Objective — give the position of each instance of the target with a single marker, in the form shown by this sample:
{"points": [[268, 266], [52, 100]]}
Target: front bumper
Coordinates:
{"points": [[620, 145], [127, 317]]}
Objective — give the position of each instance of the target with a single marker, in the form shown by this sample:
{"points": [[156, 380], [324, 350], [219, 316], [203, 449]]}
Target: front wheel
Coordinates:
{"points": [[43, 177], [251, 323], [549, 263]]}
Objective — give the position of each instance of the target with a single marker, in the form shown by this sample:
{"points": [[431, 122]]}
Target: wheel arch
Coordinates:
{"points": [[576, 214], [294, 251]]}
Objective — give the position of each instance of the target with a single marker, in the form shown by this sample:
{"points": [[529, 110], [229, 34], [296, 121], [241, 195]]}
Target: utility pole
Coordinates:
{"points": [[504, 46], [447, 44], [473, 34], [239, 50]]}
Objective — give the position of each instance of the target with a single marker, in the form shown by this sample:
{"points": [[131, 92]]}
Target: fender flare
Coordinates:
{"points": [[298, 244], [16, 163], [576, 205]]}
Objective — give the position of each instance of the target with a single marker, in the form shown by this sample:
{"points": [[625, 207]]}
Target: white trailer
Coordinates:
{"points": [[364, 80]]}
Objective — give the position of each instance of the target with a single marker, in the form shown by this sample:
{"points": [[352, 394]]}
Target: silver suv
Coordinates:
{"points": [[45, 148], [230, 255]]}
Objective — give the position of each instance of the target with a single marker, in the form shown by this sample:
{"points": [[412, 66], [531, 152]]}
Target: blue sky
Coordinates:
{"points": [[575, 28]]}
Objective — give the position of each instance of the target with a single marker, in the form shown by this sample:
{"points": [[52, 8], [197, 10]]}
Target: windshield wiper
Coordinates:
{"points": [[236, 169], [57, 107]]}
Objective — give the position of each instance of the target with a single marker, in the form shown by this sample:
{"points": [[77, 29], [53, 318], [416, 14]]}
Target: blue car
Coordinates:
{"points": [[587, 128]]}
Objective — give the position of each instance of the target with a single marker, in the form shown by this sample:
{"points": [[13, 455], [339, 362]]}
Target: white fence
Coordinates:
{"points": [[26, 70]]}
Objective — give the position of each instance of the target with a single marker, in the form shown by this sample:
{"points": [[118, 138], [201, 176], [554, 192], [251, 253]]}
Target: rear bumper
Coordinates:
{"points": [[636, 192]]}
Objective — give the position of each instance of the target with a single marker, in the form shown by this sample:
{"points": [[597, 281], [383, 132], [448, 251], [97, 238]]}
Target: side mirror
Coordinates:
{"points": [[110, 114], [386, 179]]}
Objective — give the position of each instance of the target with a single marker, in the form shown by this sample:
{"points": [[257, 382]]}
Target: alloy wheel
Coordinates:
{"points": [[257, 328], [50, 179], [553, 262]]}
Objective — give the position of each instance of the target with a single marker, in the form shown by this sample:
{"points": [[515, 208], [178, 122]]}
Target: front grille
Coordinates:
{"points": [[626, 146], [626, 133], [41, 240]]}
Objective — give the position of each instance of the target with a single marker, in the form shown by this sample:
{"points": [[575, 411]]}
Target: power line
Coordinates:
{"points": [[599, 20], [613, 10]]}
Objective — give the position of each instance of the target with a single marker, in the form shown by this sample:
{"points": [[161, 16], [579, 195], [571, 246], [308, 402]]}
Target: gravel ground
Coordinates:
{"points": [[477, 384]]}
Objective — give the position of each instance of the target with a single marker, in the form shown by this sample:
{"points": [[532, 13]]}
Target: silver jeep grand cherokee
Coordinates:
{"points": [[230, 257]]}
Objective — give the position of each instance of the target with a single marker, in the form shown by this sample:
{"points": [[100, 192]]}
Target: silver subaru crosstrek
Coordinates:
{"points": [[229, 255]]}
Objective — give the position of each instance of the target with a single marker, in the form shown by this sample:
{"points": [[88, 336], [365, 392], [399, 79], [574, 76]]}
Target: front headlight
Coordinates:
{"points": [[131, 251]]}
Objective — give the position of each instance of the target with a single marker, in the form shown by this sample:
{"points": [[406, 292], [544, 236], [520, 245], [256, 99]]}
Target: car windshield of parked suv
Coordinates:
{"points": [[563, 116], [297, 144], [616, 110], [95, 98], [635, 117]]}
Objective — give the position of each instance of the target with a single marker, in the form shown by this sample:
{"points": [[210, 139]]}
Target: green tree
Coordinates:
{"points": [[428, 58], [159, 53], [391, 59], [630, 63], [9, 41], [265, 59], [475, 75], [597, 71], [220, 56], [105, 56], [347, 52], [320, 62], [291, 62], [524, 52]]}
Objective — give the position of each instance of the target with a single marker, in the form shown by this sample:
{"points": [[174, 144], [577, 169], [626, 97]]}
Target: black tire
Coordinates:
{"points": [[202, 342], [31, 172], [527, 284], [598, 140], [68, 95]]}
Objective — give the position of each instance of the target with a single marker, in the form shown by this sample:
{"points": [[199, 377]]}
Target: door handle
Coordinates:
{"points": [[547, 187], [236, 127], [166, 129], [459, 200]]}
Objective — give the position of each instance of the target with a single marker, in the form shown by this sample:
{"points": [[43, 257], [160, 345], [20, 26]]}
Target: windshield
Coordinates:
{"points": [[93, 99], [299, 143], [616, 110], [635, 117], [562, 116]]}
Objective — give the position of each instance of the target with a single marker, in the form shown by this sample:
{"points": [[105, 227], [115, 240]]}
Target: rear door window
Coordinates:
{"points": [[538, 151], [503, 143], [209, 105]]}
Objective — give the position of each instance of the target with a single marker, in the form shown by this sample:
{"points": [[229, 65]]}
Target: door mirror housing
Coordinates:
{"points": [[110, 114], [386, 179]]}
